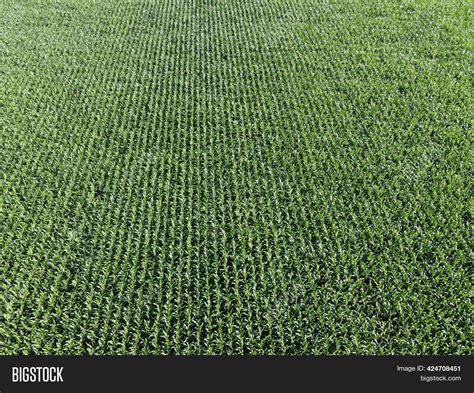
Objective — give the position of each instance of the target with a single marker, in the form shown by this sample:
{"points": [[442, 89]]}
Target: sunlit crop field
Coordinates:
{"points": [[236, 177]]}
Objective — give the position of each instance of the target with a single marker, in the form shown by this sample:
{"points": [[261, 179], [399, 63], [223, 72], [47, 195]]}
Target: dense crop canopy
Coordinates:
{"points": [[235, 176]]}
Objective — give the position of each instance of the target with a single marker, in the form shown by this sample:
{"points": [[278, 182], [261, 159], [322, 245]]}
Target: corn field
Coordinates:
{"points": [[236, 177]]}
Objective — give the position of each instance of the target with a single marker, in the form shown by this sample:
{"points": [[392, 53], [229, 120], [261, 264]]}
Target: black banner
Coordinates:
{"points": [[218, 373]]}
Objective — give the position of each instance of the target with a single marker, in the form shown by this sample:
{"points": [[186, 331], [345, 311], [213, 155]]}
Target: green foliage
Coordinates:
{"points": [[235, 177]]}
